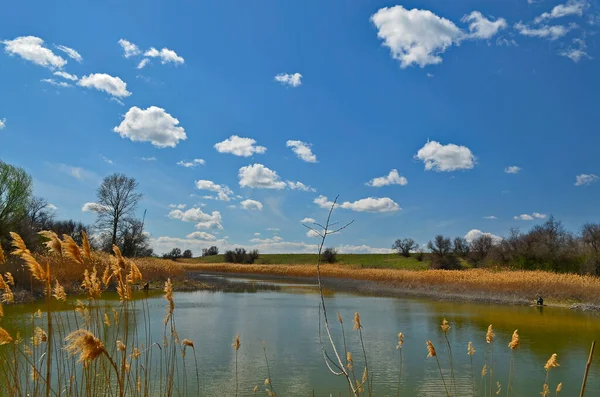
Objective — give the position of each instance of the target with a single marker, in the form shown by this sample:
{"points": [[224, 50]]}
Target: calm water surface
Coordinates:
{"points": [[288, 321]]}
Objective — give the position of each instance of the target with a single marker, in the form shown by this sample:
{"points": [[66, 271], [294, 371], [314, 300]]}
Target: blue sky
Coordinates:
{"points": [[266, 94]]}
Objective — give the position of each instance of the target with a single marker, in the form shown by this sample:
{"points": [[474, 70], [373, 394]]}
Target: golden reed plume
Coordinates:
{"points": [[85, 344]]}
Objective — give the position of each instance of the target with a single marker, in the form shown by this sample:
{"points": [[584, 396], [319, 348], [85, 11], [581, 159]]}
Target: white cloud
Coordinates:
{"points": [[257, 234], [572, 7], [152, 125], [369, 204], [513, 169], [193, 163], [585, 179], [107, 83], [308, 220], [292, 80], [224, 193], [32, 49], [251, 205], [393, 178], [70, 52], [359, 249], [238, 146], [129, 48], [94, 207], [165, 55], [66, 75], [302, 150], [148, 158], [51, 207], [2, 123], [273, 229], [576, 52], [143, 63], [482, 28], [449, 157], [538, 215], [491, 217], [300, 186], [75, 172], [527, 217], [503, 41], [107, 160], [274, 239], [202, 236], [56, 83], [259, 177], [178, 206], [474, 234], [312, 234], [419, 37], [204, 220], [543, 31]]}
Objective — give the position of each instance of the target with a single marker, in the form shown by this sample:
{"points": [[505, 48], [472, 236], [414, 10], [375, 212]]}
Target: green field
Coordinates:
{"points": [[357, 260]]}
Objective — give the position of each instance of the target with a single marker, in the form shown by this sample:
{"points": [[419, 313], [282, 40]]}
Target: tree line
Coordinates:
{"points": [[548, 246]]}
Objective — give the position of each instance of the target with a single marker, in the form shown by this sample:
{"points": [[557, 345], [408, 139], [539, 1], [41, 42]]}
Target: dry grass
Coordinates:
{"points": [[554, 287]]}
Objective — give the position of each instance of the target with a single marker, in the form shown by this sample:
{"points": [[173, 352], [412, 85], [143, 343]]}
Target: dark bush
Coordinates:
{"points": [[329, 255], [448, 262], [239, 255], [420, 256], [173, 255], [210, 251], [187, 254]]}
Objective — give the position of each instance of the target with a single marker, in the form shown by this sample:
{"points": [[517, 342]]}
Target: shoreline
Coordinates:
{"points": [[386, 288]]}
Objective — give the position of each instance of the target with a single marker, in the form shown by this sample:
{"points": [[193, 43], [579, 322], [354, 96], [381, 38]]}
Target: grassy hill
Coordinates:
{"points": [[355, 260]]}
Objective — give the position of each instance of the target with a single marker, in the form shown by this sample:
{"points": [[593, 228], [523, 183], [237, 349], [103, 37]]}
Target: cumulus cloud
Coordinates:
{"points": [[94, 207], [166, 55], [70, 52], [513, 169], [129, 49], [273, 229], [291, 80], [251, 205], [308, 220], [51, 207], [274, 239], [393, 178], [585, 179], [312, 234], [542, 31], [449, 157], [224, 193], [491, 217], [576, 52], [302, 150], [178, 206], [202, 236], [258, 176], [474, 234], [300, 186], [204, 220], [193, 163], [143, 63], [527, 217], [2, 123], [107, 83], [238, 146], [482, 28], [152, 125], [32, 49], [56, 83], [572, 7], [359, 249], [369, 204], [66, 75], [148, 158]]}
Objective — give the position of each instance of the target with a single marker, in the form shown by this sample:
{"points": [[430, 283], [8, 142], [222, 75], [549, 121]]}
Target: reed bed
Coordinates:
{"points": [[523, 285]]}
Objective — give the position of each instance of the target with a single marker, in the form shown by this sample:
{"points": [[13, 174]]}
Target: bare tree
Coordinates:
{"points": [[441, 246], [117, 202], [590, 235], [480, 248], [461, 247], [404, 246]]}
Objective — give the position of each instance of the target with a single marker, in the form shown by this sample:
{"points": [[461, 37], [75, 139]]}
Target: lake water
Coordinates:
{"points": [[287, 320]]}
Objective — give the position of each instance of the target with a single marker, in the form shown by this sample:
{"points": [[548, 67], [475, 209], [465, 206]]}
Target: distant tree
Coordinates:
{"points": [[133, 241], [175, 253], [329, 255], [187, 254], [117, 202], [404, 246], [480, 248], [590, 235], [15, 193], [441, 246], [461, 247], [210, 251], [239, 255], [68, 227]]}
